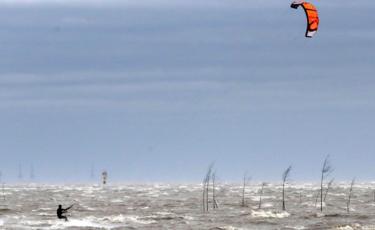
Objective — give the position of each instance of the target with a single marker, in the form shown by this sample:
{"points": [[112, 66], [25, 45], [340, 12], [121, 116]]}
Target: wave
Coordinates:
{"points": [[269, 214]]}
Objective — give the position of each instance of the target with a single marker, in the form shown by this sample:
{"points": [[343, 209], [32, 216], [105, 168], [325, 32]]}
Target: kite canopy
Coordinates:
{"points": [[311, 15]]}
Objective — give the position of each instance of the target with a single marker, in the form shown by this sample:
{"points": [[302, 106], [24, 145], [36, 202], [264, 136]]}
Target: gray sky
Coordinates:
{"points": [[155, 91]]}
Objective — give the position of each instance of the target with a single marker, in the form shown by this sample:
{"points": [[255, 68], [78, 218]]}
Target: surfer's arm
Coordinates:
{"points": [[68, 207]]}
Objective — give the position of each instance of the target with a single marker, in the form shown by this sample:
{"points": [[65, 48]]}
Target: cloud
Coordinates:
{"points": [[191, 90]]}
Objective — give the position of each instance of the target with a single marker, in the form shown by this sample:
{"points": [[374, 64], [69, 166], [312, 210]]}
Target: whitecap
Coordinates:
{"points": [[79, 223], [230, 228], [188, 218], [269, 214], [267, 205], [127, 218], [117, 201], [347, 227], [299, 227]]}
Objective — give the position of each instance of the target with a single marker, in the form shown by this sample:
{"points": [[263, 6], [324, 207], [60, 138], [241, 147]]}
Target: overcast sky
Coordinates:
{"points": [[156, 90]]}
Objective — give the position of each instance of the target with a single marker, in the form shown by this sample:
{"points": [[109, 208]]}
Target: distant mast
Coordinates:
{"points": [[92, 172], [20, 175], [32, 173], [2, 184], [104, 177]]}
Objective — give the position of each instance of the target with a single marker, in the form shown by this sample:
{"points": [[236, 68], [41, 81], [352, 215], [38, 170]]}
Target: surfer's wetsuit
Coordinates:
{"points": [[61, 211]]}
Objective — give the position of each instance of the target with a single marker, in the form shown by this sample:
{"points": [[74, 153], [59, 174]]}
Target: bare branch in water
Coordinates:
{"points": [[246, 180], [350, 195], [326, 171], [285, 178], [261, 194]]}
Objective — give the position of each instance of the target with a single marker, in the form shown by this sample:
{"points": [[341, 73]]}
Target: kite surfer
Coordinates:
{"points": [[61, 211]]}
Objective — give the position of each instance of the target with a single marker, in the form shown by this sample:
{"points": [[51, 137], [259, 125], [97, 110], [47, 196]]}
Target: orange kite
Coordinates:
{"points": [[311, 15]]}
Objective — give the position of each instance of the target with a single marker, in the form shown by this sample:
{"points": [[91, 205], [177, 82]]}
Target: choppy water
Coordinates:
{"points": [[164, 206]]}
